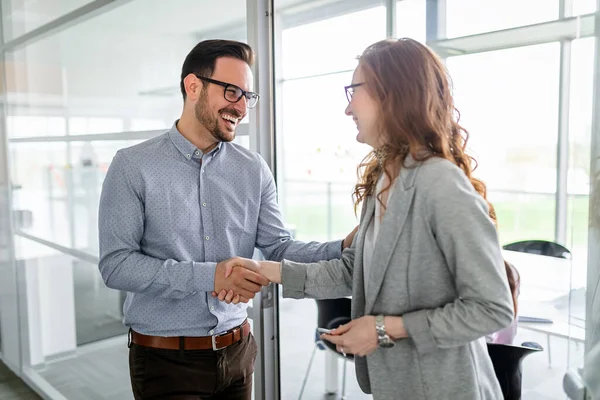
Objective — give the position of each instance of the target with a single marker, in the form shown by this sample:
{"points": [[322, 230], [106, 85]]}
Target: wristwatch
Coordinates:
{"points": [[385, 341]]}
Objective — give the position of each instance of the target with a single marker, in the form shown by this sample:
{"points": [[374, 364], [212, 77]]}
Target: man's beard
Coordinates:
{"points": [[212, 123]]}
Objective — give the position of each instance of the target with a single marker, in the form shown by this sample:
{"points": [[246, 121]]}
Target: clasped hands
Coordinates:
{"points": [[238, 279]]}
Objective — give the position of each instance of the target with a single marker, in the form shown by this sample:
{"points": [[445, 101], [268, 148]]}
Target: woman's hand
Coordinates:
{"points": [[357, 337]]}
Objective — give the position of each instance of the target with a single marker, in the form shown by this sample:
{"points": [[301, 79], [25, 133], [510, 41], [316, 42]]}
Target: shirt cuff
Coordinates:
{"points": [[335, 250], [204, 276]]}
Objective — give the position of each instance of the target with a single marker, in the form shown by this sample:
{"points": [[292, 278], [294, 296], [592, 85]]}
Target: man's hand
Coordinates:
{"points": [[244, 282], [348, 240]]}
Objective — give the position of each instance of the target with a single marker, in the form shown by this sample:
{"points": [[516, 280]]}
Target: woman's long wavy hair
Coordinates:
{"points": [[413, 91]]}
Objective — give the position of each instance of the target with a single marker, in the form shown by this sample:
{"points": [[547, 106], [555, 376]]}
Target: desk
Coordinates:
{"points": [[544, 282], [543, 278]]}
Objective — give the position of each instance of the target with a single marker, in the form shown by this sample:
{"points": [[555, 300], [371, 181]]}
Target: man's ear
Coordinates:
{"points": [[193, 86]]}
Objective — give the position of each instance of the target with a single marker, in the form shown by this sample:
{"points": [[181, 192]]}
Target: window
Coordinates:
{"points": [[508, 101], [20, 17], [581, 7], [410, 19], [330, 45], [469, 17]]}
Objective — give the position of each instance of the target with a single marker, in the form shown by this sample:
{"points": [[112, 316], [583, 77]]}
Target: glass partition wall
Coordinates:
{"points": [[75, 92]]}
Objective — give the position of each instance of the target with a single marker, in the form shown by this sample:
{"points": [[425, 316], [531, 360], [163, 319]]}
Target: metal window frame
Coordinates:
{"points": [[593, 283], [260, 25], [562, 144], [10, 329], [435, 21], [569, 28], [391, 7], [77, 16], [303, 14]]}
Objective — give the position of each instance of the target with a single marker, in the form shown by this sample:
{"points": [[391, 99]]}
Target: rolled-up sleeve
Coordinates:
{"points": [[459, 220], [321, 280]]}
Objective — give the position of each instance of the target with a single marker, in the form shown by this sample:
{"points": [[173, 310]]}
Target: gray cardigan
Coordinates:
{"points": [[437, 262]]}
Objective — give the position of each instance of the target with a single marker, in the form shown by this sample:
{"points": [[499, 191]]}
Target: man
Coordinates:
{"points": [[174, 210]]}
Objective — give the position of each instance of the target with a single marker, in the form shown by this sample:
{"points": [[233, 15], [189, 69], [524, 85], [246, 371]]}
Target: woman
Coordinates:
{"points": [[425, 269]]}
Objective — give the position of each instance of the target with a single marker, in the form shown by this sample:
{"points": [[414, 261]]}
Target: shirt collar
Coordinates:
{"points": [[186, 147]]}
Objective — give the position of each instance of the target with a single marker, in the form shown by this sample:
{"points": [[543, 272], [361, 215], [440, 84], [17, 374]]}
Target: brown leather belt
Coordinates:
{"points": [[216, 342]]}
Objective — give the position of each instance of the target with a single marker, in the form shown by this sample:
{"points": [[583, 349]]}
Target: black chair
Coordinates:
{"points": [[541, 247], [507, 360], [330, 314]]}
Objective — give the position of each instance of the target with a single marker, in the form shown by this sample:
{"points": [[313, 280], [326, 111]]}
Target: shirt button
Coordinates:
{"points": [[212, 308], [202, 170], [197, 153], [188, 156], [211, 332], [204, 204], [207, 237]]}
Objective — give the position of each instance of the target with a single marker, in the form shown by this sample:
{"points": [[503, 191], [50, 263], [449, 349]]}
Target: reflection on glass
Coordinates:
{"points": [[469, 17], [410, 19], [508, 101], [67, 295], [39, 174], [330, 45], [90, 126], [20, 17], [35, 126], [89, 164], [581, 7], [106, 84]]}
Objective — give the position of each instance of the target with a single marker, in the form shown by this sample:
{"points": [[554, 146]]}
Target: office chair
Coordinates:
{"points": [[541, 247], [507, 360], [330, 314]]}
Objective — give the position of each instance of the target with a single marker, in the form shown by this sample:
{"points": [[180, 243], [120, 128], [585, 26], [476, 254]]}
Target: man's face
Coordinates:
{"points": [[218, 115]]}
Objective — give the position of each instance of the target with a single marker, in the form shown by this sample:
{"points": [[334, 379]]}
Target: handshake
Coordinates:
{"points": [[238, 279]]}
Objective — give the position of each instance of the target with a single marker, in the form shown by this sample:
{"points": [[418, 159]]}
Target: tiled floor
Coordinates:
{"points": [[102, 373], [12, 388]]}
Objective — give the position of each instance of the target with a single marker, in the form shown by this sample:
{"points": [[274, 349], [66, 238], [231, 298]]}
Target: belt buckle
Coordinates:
{"points": [[214, 343]]}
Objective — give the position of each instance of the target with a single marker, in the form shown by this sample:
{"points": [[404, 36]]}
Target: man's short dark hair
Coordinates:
{"points": [[201, 60]]}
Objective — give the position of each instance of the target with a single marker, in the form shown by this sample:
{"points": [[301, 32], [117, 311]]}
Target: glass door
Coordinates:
{"points": [[9, 312]]}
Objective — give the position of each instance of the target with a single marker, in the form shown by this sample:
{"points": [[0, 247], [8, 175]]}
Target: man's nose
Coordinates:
{"points": [[241, 106]]}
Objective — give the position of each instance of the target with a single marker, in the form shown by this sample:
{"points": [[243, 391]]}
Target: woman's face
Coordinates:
{"points": [[364, 112]]}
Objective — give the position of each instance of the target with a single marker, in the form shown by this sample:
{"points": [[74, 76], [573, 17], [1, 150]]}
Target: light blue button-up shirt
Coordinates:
{"points": [[169, 214]]}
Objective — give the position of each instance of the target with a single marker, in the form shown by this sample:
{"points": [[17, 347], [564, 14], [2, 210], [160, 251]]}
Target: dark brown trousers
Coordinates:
{"points": [[193, 374]]}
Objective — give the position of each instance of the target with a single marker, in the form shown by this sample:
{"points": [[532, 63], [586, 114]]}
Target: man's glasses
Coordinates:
{"points": [[233, 93], [350, 90]]}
